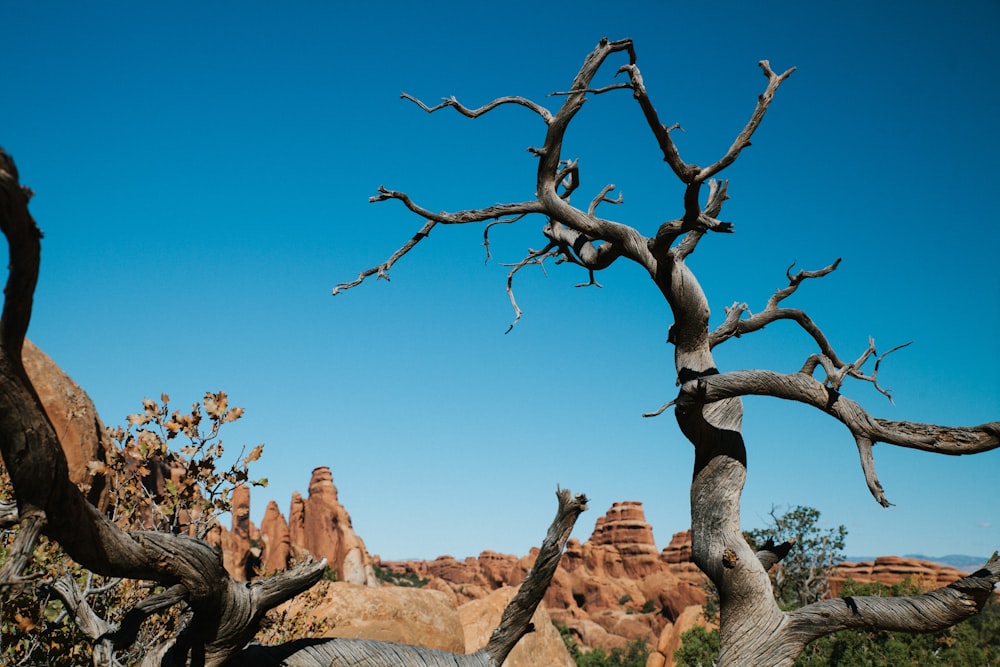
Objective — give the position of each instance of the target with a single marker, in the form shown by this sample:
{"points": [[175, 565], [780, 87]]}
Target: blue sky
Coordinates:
{"points": [[203, 171]]}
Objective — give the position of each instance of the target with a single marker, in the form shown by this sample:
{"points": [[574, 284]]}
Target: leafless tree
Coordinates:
{"points": [[708, 407], [221, 615]]}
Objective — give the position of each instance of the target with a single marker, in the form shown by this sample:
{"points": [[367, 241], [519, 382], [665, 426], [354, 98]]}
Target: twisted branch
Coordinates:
{"points": [[545, 114], [931, 612], [867, 430], [516, 619]]}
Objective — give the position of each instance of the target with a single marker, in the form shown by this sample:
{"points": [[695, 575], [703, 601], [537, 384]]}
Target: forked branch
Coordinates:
{"points": [[735, 326], [867, 430]]}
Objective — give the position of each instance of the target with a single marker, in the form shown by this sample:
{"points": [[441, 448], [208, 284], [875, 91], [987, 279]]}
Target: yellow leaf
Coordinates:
{"points": [[215, 404], [254, 454]]}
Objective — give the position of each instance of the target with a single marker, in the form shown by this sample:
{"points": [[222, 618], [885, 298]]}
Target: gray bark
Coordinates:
{"points": [[754, 631]]}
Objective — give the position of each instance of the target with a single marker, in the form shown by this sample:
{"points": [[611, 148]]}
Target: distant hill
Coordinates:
{"points": [[957, 561]]}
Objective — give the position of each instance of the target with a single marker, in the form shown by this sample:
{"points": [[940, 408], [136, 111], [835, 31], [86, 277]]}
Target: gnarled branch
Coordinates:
{"points": [[734, 326], [930, 612], [489, 106], [866, 429]]}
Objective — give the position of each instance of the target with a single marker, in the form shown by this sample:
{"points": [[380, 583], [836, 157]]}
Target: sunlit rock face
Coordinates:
{"points": [[318, 526]]}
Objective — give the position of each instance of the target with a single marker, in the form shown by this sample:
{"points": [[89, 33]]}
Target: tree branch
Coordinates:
{"points": [[534, 257], [931, 612], [743, 139], [382, 270], [866, 429], [93, 626], [516, 619], [734, 326], [20, 554], [771, 554], [25, 239], [8, 515], [475, 113]]}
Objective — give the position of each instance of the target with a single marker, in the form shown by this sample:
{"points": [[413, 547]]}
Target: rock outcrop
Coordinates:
{"points": [[611, 589], [544, 646], [890, 570], [75, 419], [405, 615], [318, 527]]}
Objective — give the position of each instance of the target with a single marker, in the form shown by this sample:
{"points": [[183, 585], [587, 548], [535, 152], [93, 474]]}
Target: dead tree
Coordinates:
{"points": [[708, 407], [221, 615]]}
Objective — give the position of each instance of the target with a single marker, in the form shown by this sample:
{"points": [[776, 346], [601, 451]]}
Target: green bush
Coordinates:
{"points": [[635, 653]]}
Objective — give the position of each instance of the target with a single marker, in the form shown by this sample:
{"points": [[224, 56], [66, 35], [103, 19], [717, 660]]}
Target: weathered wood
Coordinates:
{"points": [[708, 409]]}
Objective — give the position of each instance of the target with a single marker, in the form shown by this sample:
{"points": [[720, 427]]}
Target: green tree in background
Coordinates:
{"points": [[699, 648], [635, 653], [802, 577]]}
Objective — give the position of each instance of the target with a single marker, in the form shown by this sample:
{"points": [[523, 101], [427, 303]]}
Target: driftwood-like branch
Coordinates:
{"points": [[771, 554], [93, 626], [867, 430], [695, 226], [382, 270], [9, 516], [534, 257], [516, 619], [128, 630], [931, 612], [743, 139], [475, 113], [557, 178], [19, 556], [691, 174]]}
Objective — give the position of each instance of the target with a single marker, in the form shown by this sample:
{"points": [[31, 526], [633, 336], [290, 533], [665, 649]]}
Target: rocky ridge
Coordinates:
{"points": [[615, 587]]}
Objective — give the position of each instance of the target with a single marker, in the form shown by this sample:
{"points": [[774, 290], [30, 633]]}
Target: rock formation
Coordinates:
{"points": [[318, 527], [890, 570], [405, 615], [74, 418], [611, 589], [544, 646], [614, 587]]}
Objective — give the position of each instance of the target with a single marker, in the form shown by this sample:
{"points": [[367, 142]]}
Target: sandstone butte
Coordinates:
{"points": [[614, 587]]}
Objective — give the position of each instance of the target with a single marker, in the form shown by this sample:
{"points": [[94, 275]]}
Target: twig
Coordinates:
{"points": [[545, 114]]}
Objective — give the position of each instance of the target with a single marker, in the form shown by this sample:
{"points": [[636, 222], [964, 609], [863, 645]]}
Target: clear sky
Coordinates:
{"points": [[203, 171]]}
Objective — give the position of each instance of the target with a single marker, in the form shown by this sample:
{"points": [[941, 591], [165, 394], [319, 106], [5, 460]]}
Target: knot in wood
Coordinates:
{"points": [[729, 558]]}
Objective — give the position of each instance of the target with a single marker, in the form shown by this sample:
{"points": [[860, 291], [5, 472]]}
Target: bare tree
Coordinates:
{"points": [[708, 408], [220, 615]]}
